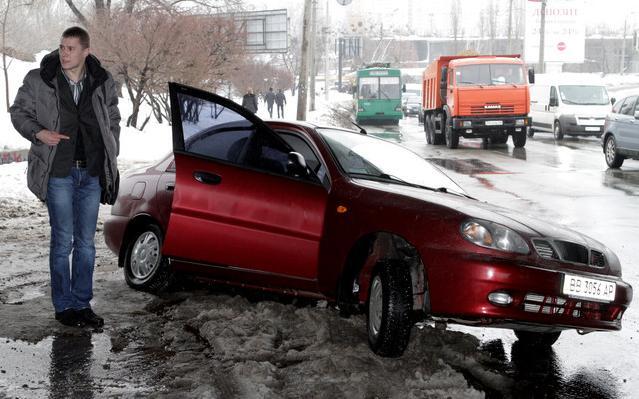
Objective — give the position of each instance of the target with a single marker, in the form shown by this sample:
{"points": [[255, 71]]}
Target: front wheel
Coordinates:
{"points": [[388, 318], [558, 132], [519, 139], [145, 268], [613, 159], [537, 339], [452, 138]]}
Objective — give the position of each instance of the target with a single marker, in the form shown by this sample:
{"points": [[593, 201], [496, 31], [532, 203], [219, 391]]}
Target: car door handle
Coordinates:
{"points": [[207, 178]]}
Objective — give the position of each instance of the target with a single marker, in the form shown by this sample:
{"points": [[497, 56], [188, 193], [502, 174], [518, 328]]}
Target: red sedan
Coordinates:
{"points": [[366, 224]]}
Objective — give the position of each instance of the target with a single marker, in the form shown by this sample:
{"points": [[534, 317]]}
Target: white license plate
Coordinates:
{"points": [[588, 288], [593, 129], [494, 123]]}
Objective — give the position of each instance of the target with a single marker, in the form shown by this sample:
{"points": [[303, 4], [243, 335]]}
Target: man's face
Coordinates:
{"points": [[72, 55]]}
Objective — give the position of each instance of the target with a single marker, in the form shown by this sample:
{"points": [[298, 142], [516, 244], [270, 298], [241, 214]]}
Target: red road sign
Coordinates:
{"points": [[561, 46]]}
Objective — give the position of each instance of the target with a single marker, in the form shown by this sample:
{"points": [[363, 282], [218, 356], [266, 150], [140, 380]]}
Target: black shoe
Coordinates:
{"points": [[69, 317], [90, 318]]}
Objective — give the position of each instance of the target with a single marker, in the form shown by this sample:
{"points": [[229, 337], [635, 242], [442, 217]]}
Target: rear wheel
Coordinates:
{"points": [[144, 266], [388, 318], [557, 131], [428, 128], [452, 138], [531, 132], [613, 159], [537, 339]]}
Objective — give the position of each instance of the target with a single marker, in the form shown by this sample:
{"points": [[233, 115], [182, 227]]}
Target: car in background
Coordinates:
{"points": [[620, 139], [365, 224], [412, 106]]}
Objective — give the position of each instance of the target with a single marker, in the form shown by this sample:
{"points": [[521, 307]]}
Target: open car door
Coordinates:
{"points": [[241, 210]]}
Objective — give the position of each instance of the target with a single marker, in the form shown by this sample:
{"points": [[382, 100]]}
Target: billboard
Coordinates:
{"points": [[265, 31], [564, 40]]}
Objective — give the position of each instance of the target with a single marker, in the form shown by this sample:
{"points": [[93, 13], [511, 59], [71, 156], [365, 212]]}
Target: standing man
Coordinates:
{"points": [[249, 101], [270, 99], [68, 110], [280, 100]]}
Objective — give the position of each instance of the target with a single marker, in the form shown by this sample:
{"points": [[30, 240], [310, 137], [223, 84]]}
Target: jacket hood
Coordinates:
{"points": [[51, 62]]}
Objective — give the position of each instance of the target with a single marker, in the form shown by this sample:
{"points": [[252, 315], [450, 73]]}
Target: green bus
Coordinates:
{"points": [[378, 95]]}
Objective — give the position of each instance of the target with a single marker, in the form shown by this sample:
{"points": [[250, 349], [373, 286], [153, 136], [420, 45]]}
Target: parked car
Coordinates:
{"points": [[363, 223], [568, 104], [621, 132]]}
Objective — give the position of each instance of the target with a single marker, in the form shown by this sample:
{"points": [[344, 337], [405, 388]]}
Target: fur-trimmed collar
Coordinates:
{"points": [[51, 63]]}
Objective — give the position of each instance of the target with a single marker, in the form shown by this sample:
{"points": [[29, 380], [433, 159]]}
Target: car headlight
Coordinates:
{"points": [[492, 235], [520, 122]]}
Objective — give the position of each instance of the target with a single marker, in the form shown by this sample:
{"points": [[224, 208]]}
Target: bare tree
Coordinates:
{"points": [[455, 22]]}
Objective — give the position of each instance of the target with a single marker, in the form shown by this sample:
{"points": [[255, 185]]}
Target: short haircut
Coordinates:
{"points": [[81, 34]]}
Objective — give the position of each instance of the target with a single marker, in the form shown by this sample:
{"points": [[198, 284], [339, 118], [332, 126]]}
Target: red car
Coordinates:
{"points": [[366, 224]]}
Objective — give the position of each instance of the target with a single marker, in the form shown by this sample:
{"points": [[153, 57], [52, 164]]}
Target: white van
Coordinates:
{"points": [[568, 104]]}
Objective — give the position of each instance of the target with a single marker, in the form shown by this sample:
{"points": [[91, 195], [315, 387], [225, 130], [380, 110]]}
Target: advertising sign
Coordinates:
{"points": [[564, 40]]}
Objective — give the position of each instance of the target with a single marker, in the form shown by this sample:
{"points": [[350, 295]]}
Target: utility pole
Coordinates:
{"points": [[510, 26], [326, 54], [622, 61], [303, 79], [312, 54], [542, 38]]}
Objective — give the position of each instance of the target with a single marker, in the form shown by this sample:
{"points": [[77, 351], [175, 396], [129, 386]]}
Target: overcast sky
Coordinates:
{"points": [[422, 14]]}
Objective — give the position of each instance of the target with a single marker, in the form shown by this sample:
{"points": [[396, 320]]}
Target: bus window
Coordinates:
{"points": [[368, 88], [389, 87]]}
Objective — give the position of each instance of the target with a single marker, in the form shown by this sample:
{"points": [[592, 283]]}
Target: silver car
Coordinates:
{"points": [[621, 132]]}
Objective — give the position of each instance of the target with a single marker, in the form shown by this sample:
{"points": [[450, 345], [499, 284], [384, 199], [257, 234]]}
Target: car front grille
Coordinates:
{"points": [[559, 306], [569, 252]]}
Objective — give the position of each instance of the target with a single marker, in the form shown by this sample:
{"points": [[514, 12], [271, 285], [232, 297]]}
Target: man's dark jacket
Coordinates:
{"points": [[37, 107]]}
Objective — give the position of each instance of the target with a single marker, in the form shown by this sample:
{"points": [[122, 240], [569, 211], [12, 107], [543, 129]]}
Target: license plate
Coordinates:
{"points": [[593, 129], [588, 288], [494, 123]]}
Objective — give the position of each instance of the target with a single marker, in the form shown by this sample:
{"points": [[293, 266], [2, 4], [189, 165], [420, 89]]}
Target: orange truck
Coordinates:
{"points": [[476, 96]]}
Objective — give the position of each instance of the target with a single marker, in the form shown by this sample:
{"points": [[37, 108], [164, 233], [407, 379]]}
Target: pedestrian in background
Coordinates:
{"points": [[249, 101], [68, 110], [269, 98], [280, 100]]}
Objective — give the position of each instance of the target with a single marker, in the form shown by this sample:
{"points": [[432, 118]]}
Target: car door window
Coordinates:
{"points": [[316, 167], [617, 107], [268, 153], [627, 108], [212, 130], [553, 96]]}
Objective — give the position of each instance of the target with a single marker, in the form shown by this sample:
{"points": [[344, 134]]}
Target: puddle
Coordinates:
{"points": [[468, 166]]}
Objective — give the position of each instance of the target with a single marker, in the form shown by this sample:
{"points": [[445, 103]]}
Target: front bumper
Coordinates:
{"points": [[460, 292], [490, 126], [571, 127]]}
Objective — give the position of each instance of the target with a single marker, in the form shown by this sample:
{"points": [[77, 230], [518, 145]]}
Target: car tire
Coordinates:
{"points": [[145, 268], [613, 159], [537, 339], [519, 139], [451, 136], [557, 131], [531, 132], [388, 316]]}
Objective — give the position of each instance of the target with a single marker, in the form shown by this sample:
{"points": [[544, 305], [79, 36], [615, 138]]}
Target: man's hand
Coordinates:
{"points": [[50, 138]]}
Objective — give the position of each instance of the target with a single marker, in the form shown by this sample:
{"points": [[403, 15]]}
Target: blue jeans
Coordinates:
{"points": [[73, 204]]}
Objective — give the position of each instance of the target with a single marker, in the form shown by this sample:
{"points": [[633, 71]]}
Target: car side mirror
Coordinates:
{"points": [[613, 101], [404, 88], [296, 165], [531, 75], [553, 102]]}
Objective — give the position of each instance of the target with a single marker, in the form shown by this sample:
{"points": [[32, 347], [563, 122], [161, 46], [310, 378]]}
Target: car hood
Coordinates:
{"points": [[527, 226]]}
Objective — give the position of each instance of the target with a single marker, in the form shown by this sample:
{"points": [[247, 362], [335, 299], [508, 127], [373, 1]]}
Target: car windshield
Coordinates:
{"points": [[489, 74], [363, 156], [584, 95]]}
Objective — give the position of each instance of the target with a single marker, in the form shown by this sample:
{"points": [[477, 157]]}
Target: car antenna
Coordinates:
{"points": [[361, 129]]}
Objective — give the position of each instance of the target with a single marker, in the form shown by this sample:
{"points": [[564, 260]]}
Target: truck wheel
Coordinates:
{"points": [[452, 138], [519, 139], [558, 132], [531, 132], [388, 317], [428, 128]]}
